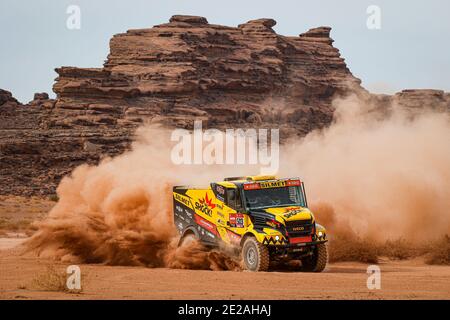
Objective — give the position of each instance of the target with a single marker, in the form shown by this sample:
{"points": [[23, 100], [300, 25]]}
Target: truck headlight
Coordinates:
{"points": [[277, 238], [320, 234]]}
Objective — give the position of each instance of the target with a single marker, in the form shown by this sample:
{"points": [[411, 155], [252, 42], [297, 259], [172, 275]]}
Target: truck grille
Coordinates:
{"points": [[299, 228], [259, 221]]}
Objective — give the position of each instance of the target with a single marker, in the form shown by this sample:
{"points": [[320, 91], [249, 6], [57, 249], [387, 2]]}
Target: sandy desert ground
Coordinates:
{"points": [[411, 279], [25, 276]]}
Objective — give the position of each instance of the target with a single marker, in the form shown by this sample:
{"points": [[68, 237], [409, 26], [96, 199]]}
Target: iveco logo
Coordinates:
{"points": [[298, 229]]}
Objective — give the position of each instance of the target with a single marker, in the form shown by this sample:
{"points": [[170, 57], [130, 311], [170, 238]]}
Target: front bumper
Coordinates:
{"points": [[294, 251], [304, 244], [292, 242]]}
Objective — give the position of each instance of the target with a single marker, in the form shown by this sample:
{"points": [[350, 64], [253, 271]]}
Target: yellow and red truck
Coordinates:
{"points": [[266, 218]]}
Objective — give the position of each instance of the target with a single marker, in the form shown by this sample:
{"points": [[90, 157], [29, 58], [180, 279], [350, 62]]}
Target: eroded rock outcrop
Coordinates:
{"points": [[7, 98], [188, 68], [418, 99], [172, 74]]}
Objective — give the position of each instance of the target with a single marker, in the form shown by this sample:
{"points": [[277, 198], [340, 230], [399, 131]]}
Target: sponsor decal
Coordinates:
{"points": [[271, 184], [182, 199], [240, 221], [205, 224], [252, 186], [236, 220], [188, 213], [205, 205], [300, 228], [232, 220], [220, 190], [291, 183], [292, 213]]}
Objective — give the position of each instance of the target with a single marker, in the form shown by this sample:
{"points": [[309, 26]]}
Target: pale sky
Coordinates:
{"points": [[411, 50]]}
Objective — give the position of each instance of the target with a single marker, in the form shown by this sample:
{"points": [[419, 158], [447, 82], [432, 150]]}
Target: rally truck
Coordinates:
{"points": [[265, 218]]}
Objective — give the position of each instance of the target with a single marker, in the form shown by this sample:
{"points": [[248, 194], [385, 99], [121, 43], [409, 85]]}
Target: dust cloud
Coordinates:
{"points": [[378, 177], [120, 212], [383, 176]]}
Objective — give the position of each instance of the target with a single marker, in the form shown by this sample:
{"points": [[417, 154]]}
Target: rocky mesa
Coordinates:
{"points": [[171, 74], [189, 69]]}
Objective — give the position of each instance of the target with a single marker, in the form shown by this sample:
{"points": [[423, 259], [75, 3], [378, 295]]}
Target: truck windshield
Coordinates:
{"points": [[274, 197]]}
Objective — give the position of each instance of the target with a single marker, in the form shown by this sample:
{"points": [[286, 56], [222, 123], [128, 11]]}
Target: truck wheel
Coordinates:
{"points": [[186, 239], [255, 255], [317, 261]]}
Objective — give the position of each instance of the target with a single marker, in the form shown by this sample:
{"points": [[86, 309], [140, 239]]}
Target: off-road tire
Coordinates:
{"points": [[255, 255], [317, 261], [190, 236]]}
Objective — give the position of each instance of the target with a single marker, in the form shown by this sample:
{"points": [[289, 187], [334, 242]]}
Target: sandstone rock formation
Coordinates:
{"points": [[172, 74], [34, 157], [189, 69], [7, 98], [437, 100]]}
